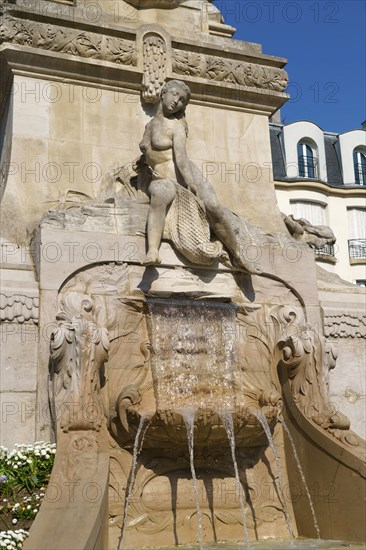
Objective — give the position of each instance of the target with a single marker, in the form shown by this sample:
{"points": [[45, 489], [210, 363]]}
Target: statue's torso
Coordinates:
{"points": [[157, 145]]}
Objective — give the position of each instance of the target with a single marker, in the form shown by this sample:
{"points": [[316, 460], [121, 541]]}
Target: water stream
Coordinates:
{"points": [[263, 421], [229, 427], [296, 456], [137, 448], [188, 417]]}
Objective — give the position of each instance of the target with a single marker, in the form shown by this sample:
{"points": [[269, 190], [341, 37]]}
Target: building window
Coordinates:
{"points": [[307, 160], [359, 163], [313, 212], [357, 234]]}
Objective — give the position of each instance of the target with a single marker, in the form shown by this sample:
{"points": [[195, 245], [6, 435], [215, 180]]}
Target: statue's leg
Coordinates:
{"points": [[162, 193], [221, 226]]}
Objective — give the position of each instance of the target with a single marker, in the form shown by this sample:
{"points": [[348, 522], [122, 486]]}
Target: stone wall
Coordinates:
{"points": [[19, 311], [344, 320]]}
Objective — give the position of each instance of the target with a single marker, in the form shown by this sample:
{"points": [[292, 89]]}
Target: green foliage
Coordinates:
{"points": [[26, 467], [24, 475]]}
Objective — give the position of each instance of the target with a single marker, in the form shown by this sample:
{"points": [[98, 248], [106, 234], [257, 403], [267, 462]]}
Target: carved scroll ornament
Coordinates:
{"points": [[304, 354], [79, 348]]}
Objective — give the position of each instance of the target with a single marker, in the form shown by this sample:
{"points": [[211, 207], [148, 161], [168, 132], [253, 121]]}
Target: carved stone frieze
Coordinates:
{"points": [[66, 40], [345, 325], [19, 308], [228, 70]]}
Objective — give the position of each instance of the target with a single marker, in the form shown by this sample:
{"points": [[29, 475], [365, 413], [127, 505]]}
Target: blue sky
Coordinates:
{"points": [[325, 44]]}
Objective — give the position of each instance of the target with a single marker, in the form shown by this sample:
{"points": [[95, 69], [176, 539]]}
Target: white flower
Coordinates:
{"points": [[14, 521], [29, 507]]}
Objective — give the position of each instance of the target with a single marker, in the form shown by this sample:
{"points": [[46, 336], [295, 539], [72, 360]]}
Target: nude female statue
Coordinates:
{"points": [[164, 147]]}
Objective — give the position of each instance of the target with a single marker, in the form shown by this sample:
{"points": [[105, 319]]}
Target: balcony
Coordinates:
{"points": [[326, 254], [357, 251]]}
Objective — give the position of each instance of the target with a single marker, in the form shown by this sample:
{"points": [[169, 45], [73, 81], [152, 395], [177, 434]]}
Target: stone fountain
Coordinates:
{"points": [[188, 358]]}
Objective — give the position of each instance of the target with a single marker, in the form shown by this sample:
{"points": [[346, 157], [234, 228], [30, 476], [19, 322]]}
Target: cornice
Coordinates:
{"points": [[323, 188], [111, 55]]}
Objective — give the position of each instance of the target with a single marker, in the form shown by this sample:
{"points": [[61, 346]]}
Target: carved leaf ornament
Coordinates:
{"points": [[79, 348], [227, 70], [154, 51]]}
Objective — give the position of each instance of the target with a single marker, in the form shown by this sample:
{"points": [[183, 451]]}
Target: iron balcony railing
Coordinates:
{"points": [[357, 249], [360, 174], [327, 250], [308, 167]]}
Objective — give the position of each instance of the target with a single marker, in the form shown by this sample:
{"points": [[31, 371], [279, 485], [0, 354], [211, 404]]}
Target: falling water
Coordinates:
{"points": [[229, 427], [188, 417], [193, 354], [262, 419], [137, 448], [296, 456]]}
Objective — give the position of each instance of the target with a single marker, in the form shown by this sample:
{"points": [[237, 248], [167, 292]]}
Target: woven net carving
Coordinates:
{"points": [[187, 227]]}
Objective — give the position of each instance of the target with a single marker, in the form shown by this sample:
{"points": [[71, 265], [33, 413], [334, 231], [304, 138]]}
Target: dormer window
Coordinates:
{"points": [[359, 163], [307, 160]]}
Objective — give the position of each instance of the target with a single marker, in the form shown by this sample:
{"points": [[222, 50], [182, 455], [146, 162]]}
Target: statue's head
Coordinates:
{"points": [[175, 96]]}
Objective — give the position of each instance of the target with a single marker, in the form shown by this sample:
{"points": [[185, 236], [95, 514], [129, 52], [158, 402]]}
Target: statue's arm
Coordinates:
{"points": [[145, 139], [189, 171]]}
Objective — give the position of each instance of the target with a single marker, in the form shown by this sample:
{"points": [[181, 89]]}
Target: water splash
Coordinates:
{"points": [[301, 472], [229, 427], [188, 417], [263, 421], [137, 448]]}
